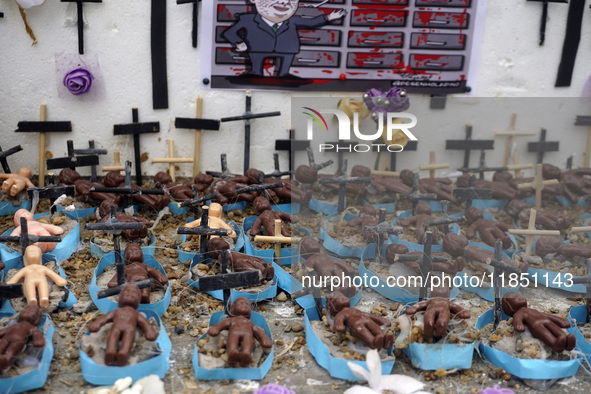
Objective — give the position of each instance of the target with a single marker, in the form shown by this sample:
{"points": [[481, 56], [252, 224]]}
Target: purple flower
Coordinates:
{"points": [[272, 388], [496, 390], [378, 102], [78, 80]]}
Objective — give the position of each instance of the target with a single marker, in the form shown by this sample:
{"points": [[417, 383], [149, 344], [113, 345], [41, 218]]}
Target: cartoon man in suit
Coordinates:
{"points": [[272, 32]]}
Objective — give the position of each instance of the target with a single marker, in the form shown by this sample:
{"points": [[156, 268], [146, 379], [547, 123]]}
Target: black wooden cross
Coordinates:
{"points": [[500, 267], [545, 17], [569, 163], [204, 231], [482, 168], [127, 189], [340, 147], [445, 219], [197, 200], [585, 281], [226, 282], [195, 18], [415, 195], [468, 145], [312, 162], [246, 117], [91, 151], [424, 259], [158, 49], [225, 171], [81, 20], [278, 173], [291, 146], [43, 127], [381, 230], [586, 121], [72, 161], [52, 192], [115, 227], [542, 146], [410, 146], [471, 193], [25, 239], [5, 154], [136, 129], [341, 179]]}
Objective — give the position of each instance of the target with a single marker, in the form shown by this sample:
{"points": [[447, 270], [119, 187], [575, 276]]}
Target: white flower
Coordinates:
{"points": [[29, 3], [378, 383]]}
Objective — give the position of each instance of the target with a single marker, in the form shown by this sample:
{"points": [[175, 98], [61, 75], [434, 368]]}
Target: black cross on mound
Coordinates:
{"points": [[72, 161], [79, 6], [500, 267], [470, 193], [25, 239], [91, 150], [341, 179], [542, 146], [225, 171], [291, 146], [52, 192], [468, 145]]}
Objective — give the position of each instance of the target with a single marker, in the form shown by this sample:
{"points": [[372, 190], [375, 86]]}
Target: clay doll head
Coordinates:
{"points": [[31, 314], [113, 179], [68, 176], [367, 210], [26, 172], [240, 307], [253, 175], [454, 244], [203, 179], [512, 302], [162, 178], [546, 246], [261, 204], [550, 172], [131, 296], [32, 256], [473, 214], [22, 213], [105, 208], [515, 207], [133, 254], [394, 249], [502, 176], [216, 210], [215, 246], [336, 302], [423, 208], [306, 174], [406, 177], [463, 180], [309, 246]]}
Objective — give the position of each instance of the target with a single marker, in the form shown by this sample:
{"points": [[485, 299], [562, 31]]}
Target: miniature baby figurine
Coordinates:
{"points": [[239, 262], [105, 214], [308, 246], [16, 183], [241, 331], [267, 216], [501, 189], [545, 327], [35, 277], [420, 219], [362, 325], [367, 217], [306, 174], [489, 230], [382, 184], [178, 191], [71, 177], [575, 183], [552, 245], [225, 189], [203, 181], [137, 271], [290, 190], [125, 321], [115, 179], [549, 220], [437, 314], [215, 220], [14, 338], [438, 186], [36, 228], [327, 267]]}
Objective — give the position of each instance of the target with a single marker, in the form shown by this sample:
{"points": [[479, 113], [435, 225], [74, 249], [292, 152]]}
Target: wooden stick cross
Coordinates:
{"points": [[538, 184], [117, 166], [510, 133], [531, 232], [277, 239], [171, 160], [91, 151], [291, 146], [432, 166]]}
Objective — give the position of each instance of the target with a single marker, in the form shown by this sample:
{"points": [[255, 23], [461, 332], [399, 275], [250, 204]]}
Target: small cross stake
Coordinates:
{"points": [[52, 192], [5, 154], [71, 161], [277, 173], [538, 184], [341, 179], [471, 193], [510, 133], [531, 232], [542, 146], [79, 10], [225, 171], [445, 219], [499, 267], [586, 121], [91, 151], [291, 146], [171, 160], [432, 166], [381, 230], [468, 145], [415, 195], [116, 163], [204, 231], [277, 239], [25, 239]]}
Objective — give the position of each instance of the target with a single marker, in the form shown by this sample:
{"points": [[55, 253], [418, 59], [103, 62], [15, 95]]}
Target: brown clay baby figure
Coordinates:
{"points": [[488, 230], [267, 216], [16, 183], [501, 189], [552, 245], [105, 214], [309, 246], [216, 213], [437, 314], [225, 189], [367, 217], [71, 177], [34, 276], [306, 174], [14, 338], [441, 187], [115, 179], [362, 325], [382, 184], [420, 219], [203, 181], [125, 321], [178, 191], [290, 190], [548, 220], [36, 228], [239, 262], [327, 267], [545, 327], [137, 271], [241, 333], [576, 183]]}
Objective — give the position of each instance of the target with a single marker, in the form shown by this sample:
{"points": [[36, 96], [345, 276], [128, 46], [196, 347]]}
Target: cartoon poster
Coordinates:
{"points": [[424, 46]]}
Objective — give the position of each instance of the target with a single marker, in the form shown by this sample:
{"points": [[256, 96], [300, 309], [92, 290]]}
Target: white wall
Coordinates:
{"points": [[118, 32]]}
